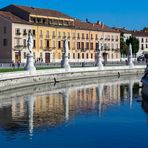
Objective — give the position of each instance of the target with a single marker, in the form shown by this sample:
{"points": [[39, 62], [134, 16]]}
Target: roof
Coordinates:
{"points": [[140, 33], [12, 17], [93, 26], [43, 12], [124, 30], [7, 12]]}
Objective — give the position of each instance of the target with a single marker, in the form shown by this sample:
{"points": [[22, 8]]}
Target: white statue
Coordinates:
{"points": [[65, 57], [30, 61], [130, 56], [130, 50], [30, 42]]}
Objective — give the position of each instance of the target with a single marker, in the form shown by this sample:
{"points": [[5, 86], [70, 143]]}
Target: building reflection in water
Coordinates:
{"points": [[57, 106]]}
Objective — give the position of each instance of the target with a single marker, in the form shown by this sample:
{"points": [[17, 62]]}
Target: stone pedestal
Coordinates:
{"points": [[30, 63], [130, 62], [66, 62]]}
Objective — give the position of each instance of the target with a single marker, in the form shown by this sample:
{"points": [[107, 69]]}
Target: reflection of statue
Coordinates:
{"points": [[30, 42]]}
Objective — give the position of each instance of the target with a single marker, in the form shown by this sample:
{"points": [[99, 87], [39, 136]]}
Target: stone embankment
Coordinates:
{"points": [[15, 80]]}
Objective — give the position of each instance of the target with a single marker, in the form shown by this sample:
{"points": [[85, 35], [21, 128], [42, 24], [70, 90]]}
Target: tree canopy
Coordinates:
{"points": [[135, 44], [123, 47]]}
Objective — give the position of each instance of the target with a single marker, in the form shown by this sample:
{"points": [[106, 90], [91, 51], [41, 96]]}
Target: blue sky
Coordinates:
{"points": [[131, 14]]}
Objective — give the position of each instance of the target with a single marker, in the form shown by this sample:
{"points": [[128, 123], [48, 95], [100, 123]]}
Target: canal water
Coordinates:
{"points": [[88, 113]]}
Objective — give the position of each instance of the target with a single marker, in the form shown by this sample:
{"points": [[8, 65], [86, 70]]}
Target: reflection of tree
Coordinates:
{"points": [[136, 88]]}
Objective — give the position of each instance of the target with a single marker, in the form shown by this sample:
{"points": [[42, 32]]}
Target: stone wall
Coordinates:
{"points": [[15, 80]]}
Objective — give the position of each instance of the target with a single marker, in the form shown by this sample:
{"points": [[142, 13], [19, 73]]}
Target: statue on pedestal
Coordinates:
{"points": [[30, 43], [130, 56], [65, 60], [30, 61], [99, 57]]}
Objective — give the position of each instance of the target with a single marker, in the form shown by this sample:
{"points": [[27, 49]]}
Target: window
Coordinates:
{"points": [[59, 34], [47, 43], [87, 56], [5, 42], [73, 44], [41, 35], [82, 55], [24, 32], [91, 36], [82, 45], [33, 32], [68, 35], [34, 43], [73, 35], [142, 40], [78, 55], [47, 34], [59, 44], [78, 45], [87, 45], [53, 34], [41, 43], [24, 42], [78, 35], [82, 35], [5, 29], [91, 45], [17, 31], [69, 44], [41, 54], [25, 55], [97, 46], [87, 36], [91, 55], [53, 44], [73, 55], [17, 41]]}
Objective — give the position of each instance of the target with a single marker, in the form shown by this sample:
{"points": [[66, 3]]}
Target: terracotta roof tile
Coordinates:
{"points": [[43, 12], [12, 17]]}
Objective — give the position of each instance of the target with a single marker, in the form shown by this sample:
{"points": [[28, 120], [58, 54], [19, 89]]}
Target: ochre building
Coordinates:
{"points": [[49, 29]]}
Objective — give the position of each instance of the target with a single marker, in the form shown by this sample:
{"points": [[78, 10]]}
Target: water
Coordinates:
{"points": [[88, 113]]}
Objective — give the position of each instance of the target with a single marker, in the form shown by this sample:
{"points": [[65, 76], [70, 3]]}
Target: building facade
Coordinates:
{"points": [[142, 36], [49, 29]]}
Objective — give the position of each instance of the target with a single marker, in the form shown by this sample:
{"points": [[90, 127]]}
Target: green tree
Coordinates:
{"points": [[123, 47], [135, 44]]}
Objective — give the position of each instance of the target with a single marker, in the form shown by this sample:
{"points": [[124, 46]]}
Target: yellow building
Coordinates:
{"points": [[49, 29]]}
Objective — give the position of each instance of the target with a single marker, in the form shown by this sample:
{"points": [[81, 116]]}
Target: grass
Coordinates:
{"points": [[2, 70]]}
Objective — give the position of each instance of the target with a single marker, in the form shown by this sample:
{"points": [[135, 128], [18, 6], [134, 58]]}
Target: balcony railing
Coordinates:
{"points": [[18, 33]]}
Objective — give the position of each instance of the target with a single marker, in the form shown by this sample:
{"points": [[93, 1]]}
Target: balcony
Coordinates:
{"points": [[18, 33], [53, 36], [48, 49], [25, 33], [18, 47], [47, 36]]}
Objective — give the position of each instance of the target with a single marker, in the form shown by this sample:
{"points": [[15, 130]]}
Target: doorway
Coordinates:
{"points": [[47, 57], [18, 56]]}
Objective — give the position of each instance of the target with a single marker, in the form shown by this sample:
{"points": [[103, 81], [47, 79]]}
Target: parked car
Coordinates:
{"points": [[141, 58]]}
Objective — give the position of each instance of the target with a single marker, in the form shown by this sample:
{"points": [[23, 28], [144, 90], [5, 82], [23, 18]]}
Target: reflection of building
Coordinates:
{"points": [[55, 108], [49, 29]]}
